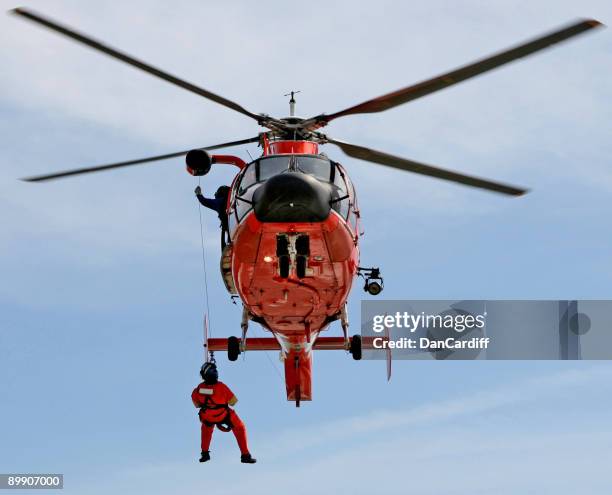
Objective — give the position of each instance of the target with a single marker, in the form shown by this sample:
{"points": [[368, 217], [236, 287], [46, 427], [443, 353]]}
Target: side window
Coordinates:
{"points": [[353, 218], [342, 207], [233, 223], [248, 178], [340, 198], [351, 189], [353, 222], [244, 203], [339, 183]]}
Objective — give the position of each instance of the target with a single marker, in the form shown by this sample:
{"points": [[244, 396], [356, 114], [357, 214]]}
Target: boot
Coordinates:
{"points": [[205, 456], [247, 459]]}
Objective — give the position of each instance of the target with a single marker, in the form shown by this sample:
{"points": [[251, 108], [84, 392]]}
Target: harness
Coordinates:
{"points": [[225, 423]]}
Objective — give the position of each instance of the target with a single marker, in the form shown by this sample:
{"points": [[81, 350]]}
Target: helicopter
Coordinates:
{"points": [[293, 216]]}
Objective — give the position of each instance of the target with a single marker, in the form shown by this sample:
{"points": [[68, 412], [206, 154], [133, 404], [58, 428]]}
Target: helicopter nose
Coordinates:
{"points": [[292, 197]]}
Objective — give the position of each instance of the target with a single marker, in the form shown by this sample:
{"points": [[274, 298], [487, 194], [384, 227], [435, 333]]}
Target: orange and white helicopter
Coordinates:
{"points": [[293, 215]]}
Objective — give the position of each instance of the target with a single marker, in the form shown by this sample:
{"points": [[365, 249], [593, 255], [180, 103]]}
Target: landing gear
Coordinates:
{"points": [[355, 347], [345, 326], [233, 348], [244, 325], [374, 283]]}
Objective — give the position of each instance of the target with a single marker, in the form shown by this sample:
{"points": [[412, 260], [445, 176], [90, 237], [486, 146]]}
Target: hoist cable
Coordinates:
{"points": [[207, 321]]}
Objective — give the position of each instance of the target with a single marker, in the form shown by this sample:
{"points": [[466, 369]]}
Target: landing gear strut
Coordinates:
{"points": [[236, 346], [345, 326], [244, 325], [352, 345]]}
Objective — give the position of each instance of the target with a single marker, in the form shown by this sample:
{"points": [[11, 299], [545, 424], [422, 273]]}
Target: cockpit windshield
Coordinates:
{"points": [[318, 166], [309, 164], [271, 166]]}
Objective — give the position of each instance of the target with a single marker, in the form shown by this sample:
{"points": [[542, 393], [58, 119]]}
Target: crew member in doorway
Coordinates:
{"points": [[218, 204], [215, 401]]}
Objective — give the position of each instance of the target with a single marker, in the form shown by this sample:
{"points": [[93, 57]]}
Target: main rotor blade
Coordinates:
{"points": [[381, 158], [96, 45], [424, 88], [110, 166]]}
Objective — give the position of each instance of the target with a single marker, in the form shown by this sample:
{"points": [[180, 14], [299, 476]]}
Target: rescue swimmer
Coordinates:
{"points": [[215, 401]]}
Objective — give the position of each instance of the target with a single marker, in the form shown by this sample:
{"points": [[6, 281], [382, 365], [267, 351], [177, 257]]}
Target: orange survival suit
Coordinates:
{"points": [[214, 399]]}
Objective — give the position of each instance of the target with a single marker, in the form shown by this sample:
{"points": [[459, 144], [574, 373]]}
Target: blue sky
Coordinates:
{"points": [[101, 293]]}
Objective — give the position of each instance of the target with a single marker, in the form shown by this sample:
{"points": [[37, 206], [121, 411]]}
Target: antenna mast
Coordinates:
{"points": [[292, 102]]}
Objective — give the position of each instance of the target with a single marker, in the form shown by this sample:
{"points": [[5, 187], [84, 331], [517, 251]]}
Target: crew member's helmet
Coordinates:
{"points": [[209, 373], [222, 192]]}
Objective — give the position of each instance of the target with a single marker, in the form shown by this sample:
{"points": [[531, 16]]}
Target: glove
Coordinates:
{"points": [[198, 191]]}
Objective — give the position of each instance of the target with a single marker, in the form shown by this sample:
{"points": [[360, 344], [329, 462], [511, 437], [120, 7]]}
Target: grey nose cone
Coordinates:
{"points": [[292, 197]]}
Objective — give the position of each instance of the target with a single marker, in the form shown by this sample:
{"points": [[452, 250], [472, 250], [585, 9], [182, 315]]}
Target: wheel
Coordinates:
{"points": [[355, 348], [233, 348]]}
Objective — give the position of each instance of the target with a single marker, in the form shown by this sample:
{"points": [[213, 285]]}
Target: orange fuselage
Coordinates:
{"points": [[294, 277]]}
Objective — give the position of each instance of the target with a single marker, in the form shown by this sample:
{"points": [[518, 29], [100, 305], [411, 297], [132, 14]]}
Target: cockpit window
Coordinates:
{"points": [[339, 182], [319, 167], [274, 165], [312, 165], [259, 171], [248, 178], [340, 196]]}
